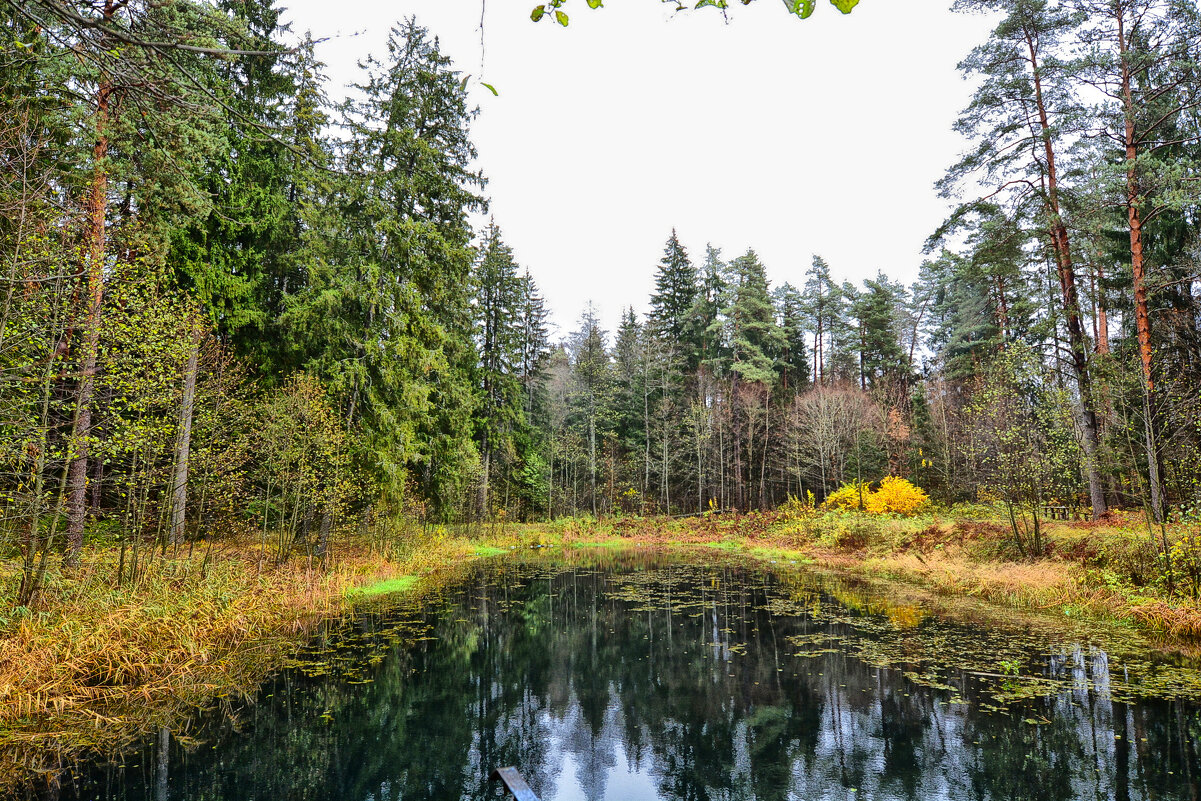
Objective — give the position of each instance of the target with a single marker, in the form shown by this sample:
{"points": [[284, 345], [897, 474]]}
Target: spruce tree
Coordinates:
{"points": [[702, 334], [881, 360], [592, 375], [675, 292], [755, 338], [792, 364], [384, 314], [498, 331]]}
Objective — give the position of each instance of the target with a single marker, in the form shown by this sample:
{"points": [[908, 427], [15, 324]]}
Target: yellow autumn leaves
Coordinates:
{"points": [[895, 496]]}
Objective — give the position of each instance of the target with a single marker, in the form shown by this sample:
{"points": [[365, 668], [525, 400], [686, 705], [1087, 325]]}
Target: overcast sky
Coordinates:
{"points": [[792, 137]]}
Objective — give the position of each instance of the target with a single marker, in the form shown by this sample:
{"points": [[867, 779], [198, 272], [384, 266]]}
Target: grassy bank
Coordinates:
{"points": [[1111, 570], [94, 665]]}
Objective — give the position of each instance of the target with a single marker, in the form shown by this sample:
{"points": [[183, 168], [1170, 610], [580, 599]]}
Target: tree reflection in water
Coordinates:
{"points": [[673, 680]]}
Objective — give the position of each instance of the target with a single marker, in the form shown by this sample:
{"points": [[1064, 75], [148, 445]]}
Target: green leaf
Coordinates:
{"points": [[537, 13], [844, 6], [490, 88], [802, 8], [561, 18], [463, 83], [594, 3]]}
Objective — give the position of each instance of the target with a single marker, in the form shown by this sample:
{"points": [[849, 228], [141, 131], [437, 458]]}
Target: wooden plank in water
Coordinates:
{"points": [[517, 786]]}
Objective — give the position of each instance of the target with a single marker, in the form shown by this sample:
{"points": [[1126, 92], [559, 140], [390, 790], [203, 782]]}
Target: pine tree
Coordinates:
{"points": [[823, 301], [1019, 116], [1143, 56]]}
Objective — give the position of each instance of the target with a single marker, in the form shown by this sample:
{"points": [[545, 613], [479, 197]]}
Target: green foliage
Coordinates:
{"points": [[1023, 444], [754, 338], [800, 8]]}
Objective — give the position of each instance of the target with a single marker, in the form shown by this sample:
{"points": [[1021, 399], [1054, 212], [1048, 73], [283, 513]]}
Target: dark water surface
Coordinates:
{"points": [[658, 678]]}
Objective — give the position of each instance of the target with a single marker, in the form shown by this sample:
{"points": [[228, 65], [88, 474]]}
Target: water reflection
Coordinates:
{"points": [[675, 681]]}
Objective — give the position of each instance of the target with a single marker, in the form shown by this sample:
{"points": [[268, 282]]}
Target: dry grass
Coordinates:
{"points": [[84, 665], [1095, 569]]}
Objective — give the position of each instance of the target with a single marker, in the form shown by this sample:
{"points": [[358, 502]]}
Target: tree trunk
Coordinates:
{"points": [[736, 434], [1071, 301], [327, 521], [592, 458], [77, 471], [1142, 317], [183, 448], [646, 429], [763, 460], [482, 495]]}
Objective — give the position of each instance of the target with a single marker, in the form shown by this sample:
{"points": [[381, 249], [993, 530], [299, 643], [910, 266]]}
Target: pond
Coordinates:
{"points": [[642, 677]]}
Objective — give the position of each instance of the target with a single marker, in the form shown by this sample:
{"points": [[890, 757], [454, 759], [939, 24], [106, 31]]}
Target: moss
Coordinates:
{"points": [[398, 584]]}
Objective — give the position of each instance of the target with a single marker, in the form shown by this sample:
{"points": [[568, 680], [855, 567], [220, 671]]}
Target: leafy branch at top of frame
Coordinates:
{"points": [[553, 9]]}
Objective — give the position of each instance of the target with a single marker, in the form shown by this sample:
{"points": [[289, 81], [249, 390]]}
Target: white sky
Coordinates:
{"points": [[793, 137]]}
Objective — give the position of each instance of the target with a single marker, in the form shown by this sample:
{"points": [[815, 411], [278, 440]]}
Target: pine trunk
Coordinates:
{"points": [[1142, 317], [1071, 302]]}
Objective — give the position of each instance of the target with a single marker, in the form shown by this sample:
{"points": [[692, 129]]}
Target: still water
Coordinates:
{"points": [[642, 678]]}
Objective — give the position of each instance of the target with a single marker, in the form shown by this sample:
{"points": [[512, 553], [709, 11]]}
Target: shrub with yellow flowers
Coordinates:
{"points": [[896, 496], [847, 496]]}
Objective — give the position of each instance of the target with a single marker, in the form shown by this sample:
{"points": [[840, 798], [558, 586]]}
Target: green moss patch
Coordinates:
{"points": [[401, 584]]}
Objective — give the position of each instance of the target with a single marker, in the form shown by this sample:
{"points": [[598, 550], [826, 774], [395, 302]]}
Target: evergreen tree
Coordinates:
{"points": [[237, 258], [592, 375], [675, 292], [823, 301], [530, 481], [881, 360], [755, 338], [792, 364], [384, 315], [702, 334], [1019, 116], [499, 333]]}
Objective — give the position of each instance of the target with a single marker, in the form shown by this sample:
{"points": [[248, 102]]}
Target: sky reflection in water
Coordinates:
{"points": [[677, 680]]}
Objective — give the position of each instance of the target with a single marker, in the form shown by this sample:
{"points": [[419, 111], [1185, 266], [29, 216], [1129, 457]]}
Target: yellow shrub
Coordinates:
{"points": [[847, 496], [896, 496]]}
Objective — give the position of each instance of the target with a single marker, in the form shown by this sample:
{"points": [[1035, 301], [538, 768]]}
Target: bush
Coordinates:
{"points": [[848, 496], [796, 508], [896, 496]]}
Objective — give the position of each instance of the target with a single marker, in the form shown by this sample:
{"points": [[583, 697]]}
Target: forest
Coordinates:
{"points": [[235, 306]]}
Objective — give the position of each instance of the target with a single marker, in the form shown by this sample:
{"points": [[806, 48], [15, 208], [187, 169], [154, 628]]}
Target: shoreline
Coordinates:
{"points": [[98, 667]]}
